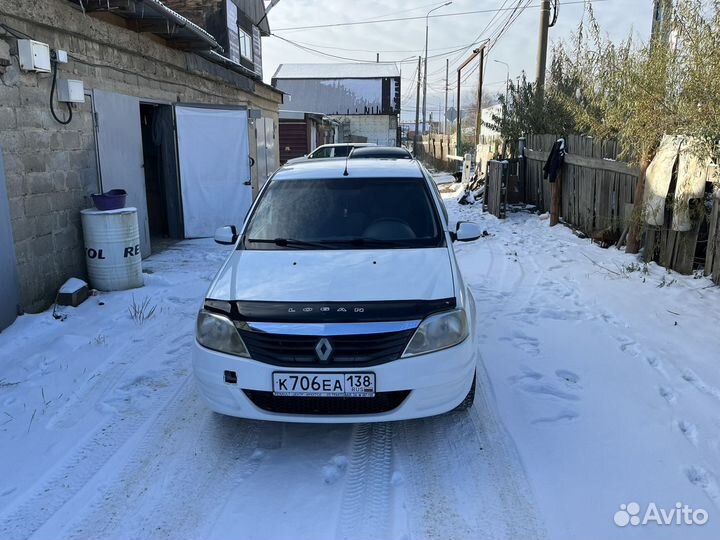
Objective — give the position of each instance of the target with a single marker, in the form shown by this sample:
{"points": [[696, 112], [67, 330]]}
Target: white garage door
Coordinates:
{"points": [[214, 158]]}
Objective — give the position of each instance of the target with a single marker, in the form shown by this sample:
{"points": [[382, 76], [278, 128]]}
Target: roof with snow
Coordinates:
{"points": [[370, 70]]}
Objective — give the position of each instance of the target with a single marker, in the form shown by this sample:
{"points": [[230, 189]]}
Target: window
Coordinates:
{"points": [[342, 151], [246, 44], [322, 152], [344, 213]]}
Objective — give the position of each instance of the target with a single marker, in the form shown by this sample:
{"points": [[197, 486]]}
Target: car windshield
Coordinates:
{"points": [[376, 213]]}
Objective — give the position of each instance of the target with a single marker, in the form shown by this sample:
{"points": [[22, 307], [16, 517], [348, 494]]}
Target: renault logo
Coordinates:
{"points": [[323, 349]]}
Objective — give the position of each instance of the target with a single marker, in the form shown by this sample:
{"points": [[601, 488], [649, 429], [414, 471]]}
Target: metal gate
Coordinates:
{"points": [[121, 154], [265, 149], [9, 291]]}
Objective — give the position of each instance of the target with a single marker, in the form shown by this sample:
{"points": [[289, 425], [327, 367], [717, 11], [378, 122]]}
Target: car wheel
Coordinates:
{"points": [[469, 399]]}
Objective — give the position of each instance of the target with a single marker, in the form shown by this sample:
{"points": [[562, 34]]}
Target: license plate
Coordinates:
{"points": [[324, 384]]}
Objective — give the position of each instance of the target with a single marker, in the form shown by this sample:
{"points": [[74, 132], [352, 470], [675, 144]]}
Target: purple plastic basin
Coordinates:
{"points": [[110, 200]]}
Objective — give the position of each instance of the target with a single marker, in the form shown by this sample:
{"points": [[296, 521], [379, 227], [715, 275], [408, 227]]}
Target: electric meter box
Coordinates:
{"points": [[34, 56], [70, 91]]}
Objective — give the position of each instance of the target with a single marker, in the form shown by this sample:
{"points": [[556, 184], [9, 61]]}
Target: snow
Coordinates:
{"points": [[72, 285], [598, 387]]}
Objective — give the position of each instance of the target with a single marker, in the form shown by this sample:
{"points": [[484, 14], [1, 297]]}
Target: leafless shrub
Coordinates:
{"points": [[141, 312]]}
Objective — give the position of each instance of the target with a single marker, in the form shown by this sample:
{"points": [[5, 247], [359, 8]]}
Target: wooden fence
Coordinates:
{"points": [[503, 186], [597, 198], [596, 188], [496, 188], [712, 255]]}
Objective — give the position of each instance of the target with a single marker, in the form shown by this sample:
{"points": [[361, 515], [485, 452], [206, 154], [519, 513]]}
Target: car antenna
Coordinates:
{"points": [[345, 172]]}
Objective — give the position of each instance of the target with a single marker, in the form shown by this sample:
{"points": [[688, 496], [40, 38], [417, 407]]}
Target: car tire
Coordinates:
{"points": [[469, 399]]}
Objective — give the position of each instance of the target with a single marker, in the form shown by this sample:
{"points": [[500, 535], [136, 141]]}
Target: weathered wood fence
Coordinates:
{"points": [[503, 186], [496, 188], [596, 188], [712, 255], [597, 198]]}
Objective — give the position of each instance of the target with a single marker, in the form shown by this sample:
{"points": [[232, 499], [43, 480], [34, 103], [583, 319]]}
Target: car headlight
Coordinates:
{"points": [[218, 333], [438, 331]]}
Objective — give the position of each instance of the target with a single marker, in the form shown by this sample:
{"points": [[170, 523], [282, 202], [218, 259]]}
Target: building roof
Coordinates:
{"points": [[155, 17], [357, 168], [370, 70]]}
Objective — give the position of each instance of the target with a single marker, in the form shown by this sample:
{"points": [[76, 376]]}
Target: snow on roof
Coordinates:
{"points": [[357, 168], [370, 70]]}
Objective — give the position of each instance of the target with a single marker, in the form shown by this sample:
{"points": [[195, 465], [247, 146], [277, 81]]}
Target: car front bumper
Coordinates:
{"points": [[437, 383]]}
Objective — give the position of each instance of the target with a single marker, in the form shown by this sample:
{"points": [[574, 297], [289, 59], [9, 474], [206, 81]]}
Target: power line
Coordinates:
{"points": [[397, 19], [409, 60], [457, 58], [389, 51]]}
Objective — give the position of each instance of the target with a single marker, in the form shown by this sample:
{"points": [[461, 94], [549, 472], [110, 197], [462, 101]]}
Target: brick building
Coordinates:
{"points": [[148, 72]]}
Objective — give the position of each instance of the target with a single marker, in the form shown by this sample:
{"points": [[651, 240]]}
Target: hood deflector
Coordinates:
{"points": [[329, 312]]}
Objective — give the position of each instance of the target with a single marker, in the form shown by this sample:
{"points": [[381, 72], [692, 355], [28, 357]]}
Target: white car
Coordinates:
{"points": [[330, 151], [341, 302]]}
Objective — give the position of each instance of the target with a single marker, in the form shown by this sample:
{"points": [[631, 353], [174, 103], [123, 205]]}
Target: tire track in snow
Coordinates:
{"points": [[196, 456], [461, 481], [366, 504], [66, 479]]}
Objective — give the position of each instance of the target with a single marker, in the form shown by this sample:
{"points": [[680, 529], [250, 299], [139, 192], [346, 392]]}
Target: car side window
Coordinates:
{"points": [[342, 151], [321, 153]]}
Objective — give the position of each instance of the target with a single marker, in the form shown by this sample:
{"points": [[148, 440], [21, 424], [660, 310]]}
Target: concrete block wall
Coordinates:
{"points": [[376, 128], [51, 169]]}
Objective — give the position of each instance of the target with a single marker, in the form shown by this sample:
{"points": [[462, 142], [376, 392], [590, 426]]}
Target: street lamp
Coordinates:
{"points": [[426, 56], [507, 79]]}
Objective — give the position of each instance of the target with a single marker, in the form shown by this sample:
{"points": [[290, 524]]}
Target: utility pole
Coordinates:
{"points": [[447, 71], [417, 109], [478, 118], [542, 49], [479, 50]]}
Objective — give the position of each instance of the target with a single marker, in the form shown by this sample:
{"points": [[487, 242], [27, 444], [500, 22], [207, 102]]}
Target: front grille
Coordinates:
{"points": [[348, 350], [327, 406]]}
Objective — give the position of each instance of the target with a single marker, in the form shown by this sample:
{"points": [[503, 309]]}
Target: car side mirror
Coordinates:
{"points": [[467, 231], [227, 235]]}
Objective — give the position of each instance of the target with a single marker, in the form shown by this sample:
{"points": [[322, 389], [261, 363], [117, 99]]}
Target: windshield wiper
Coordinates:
{"points": [[288, 242]]}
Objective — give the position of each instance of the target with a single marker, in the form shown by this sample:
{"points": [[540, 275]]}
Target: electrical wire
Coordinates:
{"points": [[397, 19], [389, 51], [556, 10], [52, 99]]}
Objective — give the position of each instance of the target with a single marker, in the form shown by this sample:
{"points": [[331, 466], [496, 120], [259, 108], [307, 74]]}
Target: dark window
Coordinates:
{"points": [[345, 213], [322, 152], [342, 151]]}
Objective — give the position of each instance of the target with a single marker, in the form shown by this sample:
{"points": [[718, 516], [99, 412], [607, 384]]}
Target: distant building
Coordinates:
{"points": [[363, 98]]}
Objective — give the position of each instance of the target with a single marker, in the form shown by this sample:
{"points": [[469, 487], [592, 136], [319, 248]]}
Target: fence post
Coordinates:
{"points": [[466, 168], [556, 197], [521, 169]]}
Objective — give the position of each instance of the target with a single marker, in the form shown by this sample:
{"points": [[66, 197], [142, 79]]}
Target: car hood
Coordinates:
{"points": [[335, 275]]}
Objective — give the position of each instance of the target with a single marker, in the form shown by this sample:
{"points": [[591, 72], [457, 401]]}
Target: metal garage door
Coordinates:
{"points": [[214, 158], [121, 153]]}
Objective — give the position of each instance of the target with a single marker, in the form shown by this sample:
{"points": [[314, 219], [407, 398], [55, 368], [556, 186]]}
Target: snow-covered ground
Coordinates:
{"points": [[599, 387]]}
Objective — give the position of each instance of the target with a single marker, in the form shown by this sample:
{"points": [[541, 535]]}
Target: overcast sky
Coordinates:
{"points": [[402, 39]]}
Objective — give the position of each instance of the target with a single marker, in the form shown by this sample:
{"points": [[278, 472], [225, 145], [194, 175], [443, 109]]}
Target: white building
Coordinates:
{"points": [[363, 98]]}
